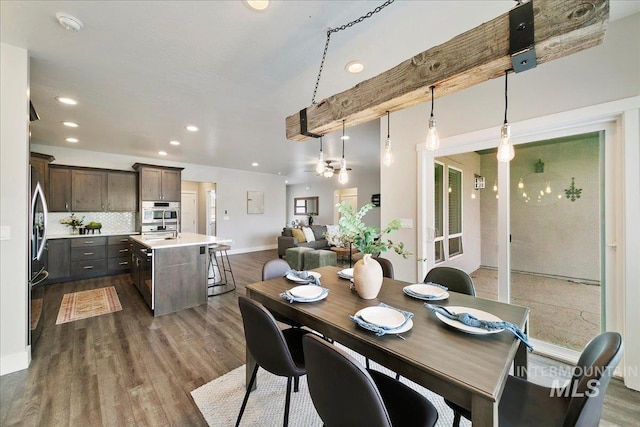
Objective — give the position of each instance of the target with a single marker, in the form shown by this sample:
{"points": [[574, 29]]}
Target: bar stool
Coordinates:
{"points": [[220, 271]]}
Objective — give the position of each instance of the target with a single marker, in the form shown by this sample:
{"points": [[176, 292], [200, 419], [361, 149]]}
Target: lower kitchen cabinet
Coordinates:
{"points": [[90, 256]]}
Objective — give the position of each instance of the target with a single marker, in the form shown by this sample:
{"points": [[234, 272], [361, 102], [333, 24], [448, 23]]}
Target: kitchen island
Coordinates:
{"points": [[171, 273]]}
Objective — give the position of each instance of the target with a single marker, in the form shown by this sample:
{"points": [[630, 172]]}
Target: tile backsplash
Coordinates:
{"points": [[112, 222]]}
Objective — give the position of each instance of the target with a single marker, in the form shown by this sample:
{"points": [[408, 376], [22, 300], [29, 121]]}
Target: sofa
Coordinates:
{"points": [[288, 240]]}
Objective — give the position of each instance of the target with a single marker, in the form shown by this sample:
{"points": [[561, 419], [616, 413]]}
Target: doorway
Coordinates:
{"points": [[349, 195], [189, 212]]}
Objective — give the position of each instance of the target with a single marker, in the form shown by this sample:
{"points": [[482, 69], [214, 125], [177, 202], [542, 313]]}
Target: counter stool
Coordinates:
{"points": [[220, 271]]}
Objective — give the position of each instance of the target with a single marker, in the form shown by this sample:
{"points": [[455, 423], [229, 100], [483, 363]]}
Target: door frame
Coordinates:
{"points": [[195, 197], [621, 122]]}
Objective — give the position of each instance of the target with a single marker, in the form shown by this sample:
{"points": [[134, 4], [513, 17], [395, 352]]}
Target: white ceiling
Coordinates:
{"points": [[141, 71]]}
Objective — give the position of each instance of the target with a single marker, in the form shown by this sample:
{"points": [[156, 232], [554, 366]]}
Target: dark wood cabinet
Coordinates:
{"points": [[88, 190], [159, 183], [58, 258], [40, 170], [121, 192], [59, 189]]}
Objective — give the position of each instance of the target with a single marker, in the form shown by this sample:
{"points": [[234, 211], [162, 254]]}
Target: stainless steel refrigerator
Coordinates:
{"points": [[37, 256]]}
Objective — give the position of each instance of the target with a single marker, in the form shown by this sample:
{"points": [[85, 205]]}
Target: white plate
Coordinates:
{"points": [[297, 279], [407, 326], [382, 316], [427, 290], [347, 273], [442, 297], [306, 291], [479, 314]]}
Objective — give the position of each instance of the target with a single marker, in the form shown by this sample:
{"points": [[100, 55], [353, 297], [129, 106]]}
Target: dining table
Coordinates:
{"points": [[467, 369]]}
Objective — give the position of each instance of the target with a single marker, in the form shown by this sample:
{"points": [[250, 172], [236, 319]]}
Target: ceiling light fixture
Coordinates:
{"points": [[320, 166], [505, 148], [162, 153], [66, 100], [72, 140], [433, 141], [174, 142], [354, 67], [70, 124], [69, 22], [254, 164], [192, 128], [258, 4], [387, 159], [343, 176]]}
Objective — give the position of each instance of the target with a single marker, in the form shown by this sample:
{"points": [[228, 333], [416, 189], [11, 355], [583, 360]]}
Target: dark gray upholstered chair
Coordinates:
{"points": [[275, 350], [270, 270], [346, 394], [453, 278], [578, 404], [387, 267]]}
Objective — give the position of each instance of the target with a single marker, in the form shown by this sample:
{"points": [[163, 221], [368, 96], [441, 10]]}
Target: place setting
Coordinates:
{"points": [[305, 293], [427, 291], [384, 319], [475, 322], [303, 277], [346, 274]]}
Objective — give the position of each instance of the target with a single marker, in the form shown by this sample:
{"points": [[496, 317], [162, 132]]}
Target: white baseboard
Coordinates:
{"points": [[252, 249], [15, 362]]}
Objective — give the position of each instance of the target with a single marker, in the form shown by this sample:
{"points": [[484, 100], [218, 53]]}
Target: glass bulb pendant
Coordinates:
{"points": [[343, 176], [433, 141], [387, 159], [320, 166], [505, 149]]}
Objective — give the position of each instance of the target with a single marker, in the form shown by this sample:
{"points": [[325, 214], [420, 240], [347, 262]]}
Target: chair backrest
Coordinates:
{"points": [[274, 268], [453, 278], [591, 379], [265, 340], [387, 267], [342, 391]]}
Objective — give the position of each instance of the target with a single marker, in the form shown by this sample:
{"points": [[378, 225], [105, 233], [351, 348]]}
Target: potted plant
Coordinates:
{"points": [[367, 273]]}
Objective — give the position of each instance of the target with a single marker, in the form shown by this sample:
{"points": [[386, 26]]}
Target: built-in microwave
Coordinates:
{"points": [[160, 212]]}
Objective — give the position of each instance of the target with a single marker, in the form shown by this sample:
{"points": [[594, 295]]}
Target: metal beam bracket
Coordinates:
{"points": [[521, 37], [303, 125]]}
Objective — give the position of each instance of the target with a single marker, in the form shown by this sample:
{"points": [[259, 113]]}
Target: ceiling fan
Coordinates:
{"points": [[329, 169]]}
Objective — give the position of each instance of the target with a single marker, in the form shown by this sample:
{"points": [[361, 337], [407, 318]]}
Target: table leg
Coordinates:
{"points": [[520, 362], [484, 412]]}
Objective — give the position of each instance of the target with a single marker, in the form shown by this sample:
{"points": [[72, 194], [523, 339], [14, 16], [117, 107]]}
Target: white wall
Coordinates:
{"points": [[14, 208], [249, 232]]}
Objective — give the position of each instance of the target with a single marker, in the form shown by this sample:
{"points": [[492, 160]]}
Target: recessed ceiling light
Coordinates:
{"points": [[67, 101], [72, 140], [192, 128], [174, 142], [354, 67], [254, 164], [69, 22], [258, 4], [70, 124], [162, 153]]}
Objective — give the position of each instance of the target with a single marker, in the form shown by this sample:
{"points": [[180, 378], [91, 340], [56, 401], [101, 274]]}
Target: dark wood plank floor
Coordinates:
{"points": [[129, 368]]}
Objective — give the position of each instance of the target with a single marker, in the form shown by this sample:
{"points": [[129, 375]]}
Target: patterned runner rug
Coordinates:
{"points": [[85, 304], [219, 401]]}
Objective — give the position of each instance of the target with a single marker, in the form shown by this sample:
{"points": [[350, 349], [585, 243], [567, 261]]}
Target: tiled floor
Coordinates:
{"points": [[563, 312]]}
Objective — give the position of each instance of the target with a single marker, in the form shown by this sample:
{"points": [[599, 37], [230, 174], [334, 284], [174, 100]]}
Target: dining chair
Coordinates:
{"points": [[277, 351], [387, 267], [454, 279], [344, 393], [270, 270], [579, 403]]}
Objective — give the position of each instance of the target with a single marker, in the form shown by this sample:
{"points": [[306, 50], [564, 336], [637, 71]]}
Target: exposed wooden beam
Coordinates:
{"points": [[562, 27]]}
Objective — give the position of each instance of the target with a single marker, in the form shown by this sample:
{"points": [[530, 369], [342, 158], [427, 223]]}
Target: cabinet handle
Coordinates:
{"points": [[123, 250], [88, 242], [124, 240], [88, 267], [66, 205], [88, 253], [123, 263]]}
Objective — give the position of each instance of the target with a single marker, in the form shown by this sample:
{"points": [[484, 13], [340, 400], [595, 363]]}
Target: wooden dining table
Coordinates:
{"points": [[470, 370]]}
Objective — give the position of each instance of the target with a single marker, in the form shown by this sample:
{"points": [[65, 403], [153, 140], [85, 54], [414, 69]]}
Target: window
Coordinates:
{"points": [[447, 204]]}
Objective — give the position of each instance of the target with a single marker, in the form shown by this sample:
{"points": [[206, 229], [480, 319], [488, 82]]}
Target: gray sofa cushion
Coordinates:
{"points": [[318, 244], [318, 231]]}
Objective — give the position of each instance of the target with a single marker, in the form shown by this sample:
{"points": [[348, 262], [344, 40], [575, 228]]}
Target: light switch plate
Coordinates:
{"points": [[5, 232]]}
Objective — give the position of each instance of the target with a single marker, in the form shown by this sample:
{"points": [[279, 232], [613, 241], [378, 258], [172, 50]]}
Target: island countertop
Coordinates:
{"points": [[183, 239]]}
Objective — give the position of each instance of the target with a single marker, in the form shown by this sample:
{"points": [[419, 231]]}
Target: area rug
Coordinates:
{"points": [[85, 304], [219, 401]]}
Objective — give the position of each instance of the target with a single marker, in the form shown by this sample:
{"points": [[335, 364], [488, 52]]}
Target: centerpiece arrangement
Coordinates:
{"points": [[74, 222], [367, 273]]}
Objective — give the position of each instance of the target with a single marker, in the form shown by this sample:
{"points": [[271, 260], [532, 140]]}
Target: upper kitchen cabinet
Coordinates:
{"points": [[88, 191], [59, 189], [159, 182], [122, 192], [40, 170]]}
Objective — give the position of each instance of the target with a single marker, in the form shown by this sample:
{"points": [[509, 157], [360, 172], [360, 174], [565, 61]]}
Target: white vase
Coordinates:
{"points": [[367, 277]]}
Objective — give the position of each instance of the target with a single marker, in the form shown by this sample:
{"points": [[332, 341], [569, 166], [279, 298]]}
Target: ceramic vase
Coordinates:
{"points": [[367, 277]]}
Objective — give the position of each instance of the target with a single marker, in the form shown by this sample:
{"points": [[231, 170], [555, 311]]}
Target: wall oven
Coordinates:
{"points": [[160, 217]]}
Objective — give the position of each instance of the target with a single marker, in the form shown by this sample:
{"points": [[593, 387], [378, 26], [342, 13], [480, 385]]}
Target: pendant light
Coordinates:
{"points": [[320, 166], [505, 148], [387, 159], [433, 141], [343, 176]]}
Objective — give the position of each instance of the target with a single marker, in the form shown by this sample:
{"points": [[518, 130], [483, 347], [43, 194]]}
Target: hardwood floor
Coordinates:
{"points": [[129, 368]]}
